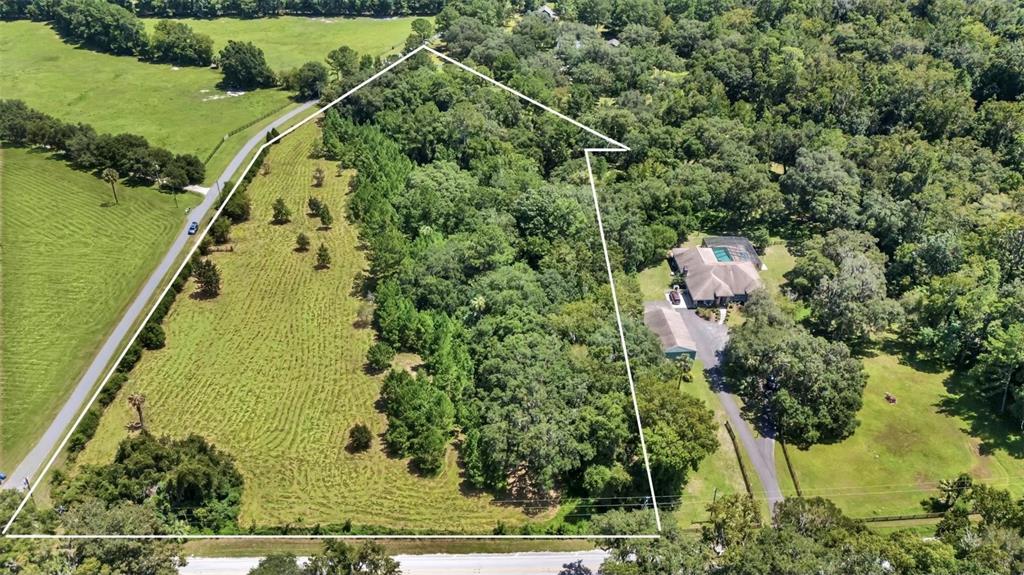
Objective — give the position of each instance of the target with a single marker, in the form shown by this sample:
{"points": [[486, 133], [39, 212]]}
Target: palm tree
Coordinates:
{"points": [[137, 400], [111, 176]]}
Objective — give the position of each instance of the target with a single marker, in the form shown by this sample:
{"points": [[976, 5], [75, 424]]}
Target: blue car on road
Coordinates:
{"points": [[193, 228]]}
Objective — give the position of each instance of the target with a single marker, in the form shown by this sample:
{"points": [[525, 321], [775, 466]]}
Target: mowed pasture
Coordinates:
{"points": [[71, 262], [179, 109], [291, 41], [900, 451], [272, 371]]}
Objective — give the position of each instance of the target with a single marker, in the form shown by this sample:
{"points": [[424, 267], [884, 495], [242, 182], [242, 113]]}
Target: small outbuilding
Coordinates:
{"points": [[548, 12], [668, 325]]}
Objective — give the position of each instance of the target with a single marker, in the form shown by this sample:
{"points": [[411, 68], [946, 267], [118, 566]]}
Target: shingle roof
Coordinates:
{"points": [[707, 278], [668, 325]]}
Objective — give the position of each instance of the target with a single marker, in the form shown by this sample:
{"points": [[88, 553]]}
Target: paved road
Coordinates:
{"points": [[711, 339], [34, 461], [468, 564]]}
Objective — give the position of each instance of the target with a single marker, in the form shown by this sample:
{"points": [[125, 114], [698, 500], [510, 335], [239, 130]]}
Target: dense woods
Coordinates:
{"points": [[183, 480], [856, 134], [486, 262]]}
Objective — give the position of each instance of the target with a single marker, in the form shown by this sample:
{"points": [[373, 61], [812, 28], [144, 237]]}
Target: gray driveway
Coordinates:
{"points": [[34, 461], [711, 339]]}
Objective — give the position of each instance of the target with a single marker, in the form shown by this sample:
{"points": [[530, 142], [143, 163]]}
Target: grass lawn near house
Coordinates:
{"points": [[898, 454], [291, 41], [272, 372], [654, 282], [62, 240], [719, 473]]}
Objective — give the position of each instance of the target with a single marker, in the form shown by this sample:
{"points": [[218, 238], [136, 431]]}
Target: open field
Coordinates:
{"points": [[291, 41], [181, 109], [272, 372], [61, 239], [898, 454], [719, 473]]}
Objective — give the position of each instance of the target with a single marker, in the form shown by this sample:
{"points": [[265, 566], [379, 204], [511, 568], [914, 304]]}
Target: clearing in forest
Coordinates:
{"points": [[61, 237], [272, 371]]}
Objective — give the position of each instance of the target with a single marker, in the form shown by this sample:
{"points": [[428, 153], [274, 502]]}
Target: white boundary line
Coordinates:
{"points": [[622, 337], [619, 147], [471, 537]]}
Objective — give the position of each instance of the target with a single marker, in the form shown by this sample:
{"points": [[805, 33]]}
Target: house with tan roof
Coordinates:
{"points": [[666, 323], [723, 270]]}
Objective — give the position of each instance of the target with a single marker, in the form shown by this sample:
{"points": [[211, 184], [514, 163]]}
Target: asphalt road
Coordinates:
{"points": [[34, 461], [711, 339], [468, 564]]}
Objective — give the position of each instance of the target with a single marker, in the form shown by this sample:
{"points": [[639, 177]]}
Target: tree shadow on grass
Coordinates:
{"points": [[198, 295], [907, 355], [981, 413]]}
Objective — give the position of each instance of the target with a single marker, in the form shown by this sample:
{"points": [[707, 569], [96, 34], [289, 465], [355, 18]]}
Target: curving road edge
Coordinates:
{"points": [[32, 463]]}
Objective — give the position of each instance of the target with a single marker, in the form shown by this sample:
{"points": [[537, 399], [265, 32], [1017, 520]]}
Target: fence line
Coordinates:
{"points": [[792, 471], [739, 457], [243, 128]]}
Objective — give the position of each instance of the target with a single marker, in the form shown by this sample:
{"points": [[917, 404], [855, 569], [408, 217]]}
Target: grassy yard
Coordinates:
{"points": [[899, 452], [61, 239], [719, 474], [291, 41], [654, 282], [272, 372]]}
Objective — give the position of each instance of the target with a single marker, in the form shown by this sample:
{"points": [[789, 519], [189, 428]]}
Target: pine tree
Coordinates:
{"points": [[282, 215], [326, 219], [323, 257], [208, 277]]}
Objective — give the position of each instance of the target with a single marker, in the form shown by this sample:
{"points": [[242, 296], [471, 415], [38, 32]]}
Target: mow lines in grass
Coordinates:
{"points": [[618, 147]]}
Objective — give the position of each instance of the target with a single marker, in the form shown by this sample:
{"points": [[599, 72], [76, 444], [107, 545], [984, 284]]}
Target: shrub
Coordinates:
{"points": [[152, 336], [360, 437], [130, 358], [379, 356], [220, 232], [302, 242]]}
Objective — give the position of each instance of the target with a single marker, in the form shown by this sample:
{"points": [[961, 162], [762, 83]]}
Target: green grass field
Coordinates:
{"points": [[272, 372], [181, 109], [900, 452], [291, 41], [719, 473], [62, 242]]}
